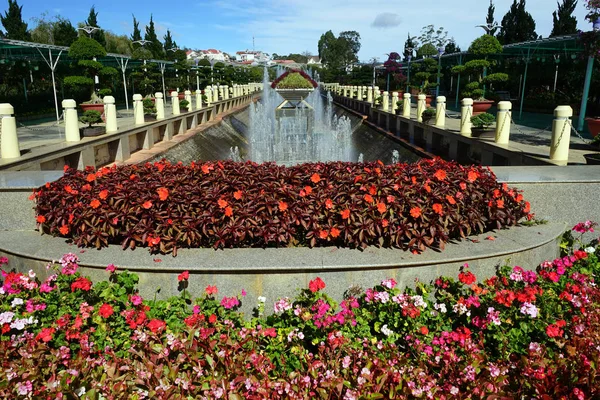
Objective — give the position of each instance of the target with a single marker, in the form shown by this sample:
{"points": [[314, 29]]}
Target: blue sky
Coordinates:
{"points": [[294, 26]]}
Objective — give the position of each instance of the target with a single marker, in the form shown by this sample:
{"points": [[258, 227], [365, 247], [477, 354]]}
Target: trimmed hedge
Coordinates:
{"points": [[227, 204]]}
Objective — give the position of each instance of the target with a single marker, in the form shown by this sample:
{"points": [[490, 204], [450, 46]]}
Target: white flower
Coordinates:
{"points": [[529, 309], [6, 317], [81, 391], [262, 299], [590, 250], [31, 274], [441, 307], [419, 302], [386, 331], [16, 302]]}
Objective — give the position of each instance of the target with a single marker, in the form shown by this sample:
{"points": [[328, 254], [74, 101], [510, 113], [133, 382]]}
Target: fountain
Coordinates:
{"points": [[291, 126]]}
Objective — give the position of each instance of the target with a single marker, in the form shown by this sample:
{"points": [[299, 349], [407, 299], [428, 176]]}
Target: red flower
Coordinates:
{"points": [[450, 199], [334, 232], [368, 198], [472, 176], [206, 168], [381, 207], [372, 190], [103, 194], [328, 204], [156, 325], [147, 204], [553, 330], [237, 195], [282, 206], [64, 230], [315, 178], [424, 330], [222, 203], [210, 290], [415, 212], [345, 214], [40, 219], [212, 319], [440, 174], [95, 203], [45, 335], [316, 285], [437, 207], [90, 177], [105, 310], [269, 332], [163, 193], [500, 203], [184, 276], [152, 241], [467, 277], [323, 234], [527, 207], [81, 283], [228, 211]]}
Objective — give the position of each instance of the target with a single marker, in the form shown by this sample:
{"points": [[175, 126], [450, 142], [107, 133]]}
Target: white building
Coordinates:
{"points": [[253, 56], [213, 55], [314, 60]]}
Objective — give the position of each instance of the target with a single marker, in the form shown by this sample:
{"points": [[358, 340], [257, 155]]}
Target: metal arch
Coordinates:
{"points": [[122, 61], [52, 64]]}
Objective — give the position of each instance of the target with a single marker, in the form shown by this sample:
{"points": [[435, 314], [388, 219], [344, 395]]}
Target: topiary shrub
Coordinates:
{"points": [[91, 117], [483, 120], [485, 46], [227, 204]]}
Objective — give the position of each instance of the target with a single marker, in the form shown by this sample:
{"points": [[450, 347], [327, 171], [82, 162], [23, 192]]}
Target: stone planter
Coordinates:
{"points": [[593, 125], [149, 117], [184, 109], [479, 107], [95, 107], [92, 132], [428, 100]]}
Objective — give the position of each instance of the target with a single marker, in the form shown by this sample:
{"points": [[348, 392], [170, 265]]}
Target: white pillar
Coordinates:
{"points": [[385, 104], [110, 113], [440, 112], [370, 94], [376, 93], [420, 107], [208, 94], [360, 93], [503, 120], [188, 97], [394, 102], [8, 132], [198, 100], [221, 93], [175, 103], [138, 109], [406, 106], [71, 122], [364, 93], [466, 112], [561, 134], [160, 105]]}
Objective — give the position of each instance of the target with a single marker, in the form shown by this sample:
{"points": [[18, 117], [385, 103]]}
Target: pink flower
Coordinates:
{"points": [[244, 293], [196, 309], [136, 300], [111, 268], [24, 388], [230, 302], [389, 283]]}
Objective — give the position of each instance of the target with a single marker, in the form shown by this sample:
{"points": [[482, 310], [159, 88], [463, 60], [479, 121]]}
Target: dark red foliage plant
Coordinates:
{"points": [[228, 204]]}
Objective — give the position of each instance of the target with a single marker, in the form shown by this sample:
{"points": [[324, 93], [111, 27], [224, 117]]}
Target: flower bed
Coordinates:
{"points": [[520, 334], [229, 204], [294, 79]]}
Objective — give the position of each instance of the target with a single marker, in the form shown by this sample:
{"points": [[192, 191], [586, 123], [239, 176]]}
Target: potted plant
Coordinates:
{"points": [[91, 117], [183, 105], [149, 109], [428, 114], [426, 74], [484, 46], [379, 101], [400, 105], [86, 50], [294, 85], [482, 121]]}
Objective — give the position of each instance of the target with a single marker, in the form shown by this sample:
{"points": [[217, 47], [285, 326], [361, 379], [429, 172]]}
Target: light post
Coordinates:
{"points": [[556, 60], [143, 43], [409, 57], [441, 51]]}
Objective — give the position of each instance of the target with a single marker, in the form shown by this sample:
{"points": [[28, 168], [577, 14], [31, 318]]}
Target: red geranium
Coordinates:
{"points": [[210, 290], [45, 335], [184, 276], [105, 310], [316, 285], [81, 283], [156, 325], [467, 277]]}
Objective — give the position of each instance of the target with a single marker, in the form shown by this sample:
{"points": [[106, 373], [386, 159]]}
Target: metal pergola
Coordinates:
{"points": [[567, 45], [52, 54]]}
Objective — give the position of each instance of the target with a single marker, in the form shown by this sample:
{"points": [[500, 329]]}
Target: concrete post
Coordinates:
{"points": [[420, 107], [71, 122], [394, 102], [370, 94], [386, 102], [175, 103], [561, 134], [188, 97], [440, 112], [364, 93], [221, 93], [198, 100], [376, 93], [160, 105], [466, 112], [138, 109], [360, 93], [225, 92], [208, 94], [503, 120], [406, 106], [110, 113], [8, 132]]}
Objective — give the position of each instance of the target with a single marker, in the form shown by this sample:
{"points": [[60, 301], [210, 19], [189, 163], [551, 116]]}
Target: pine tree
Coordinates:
{"points": [[64, 32], [98, 34], [12, 21], [517, 25], [565, 22], [155, 46], [489, 20], [137, 34], [408, 44]]}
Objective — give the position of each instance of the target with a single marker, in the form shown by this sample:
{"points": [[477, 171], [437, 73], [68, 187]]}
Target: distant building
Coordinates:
{"points": [[191, 54], [254, 56], [213, 55], [314, 60]]}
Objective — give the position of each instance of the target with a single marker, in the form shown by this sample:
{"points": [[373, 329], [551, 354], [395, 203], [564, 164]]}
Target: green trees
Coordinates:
{"points": [[13, 23], [564, 22], [85, 50], [341, 51], [64, 32], [154, 45], [517, 25], [489, 20], [409, 47], [92, 20], [137, 34]]}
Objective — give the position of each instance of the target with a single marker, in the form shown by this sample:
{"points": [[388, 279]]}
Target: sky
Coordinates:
{"points": [[294, 26]]}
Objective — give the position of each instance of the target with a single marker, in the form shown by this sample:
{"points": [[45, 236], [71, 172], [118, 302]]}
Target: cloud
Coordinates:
{"points": [[386, 20]]}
